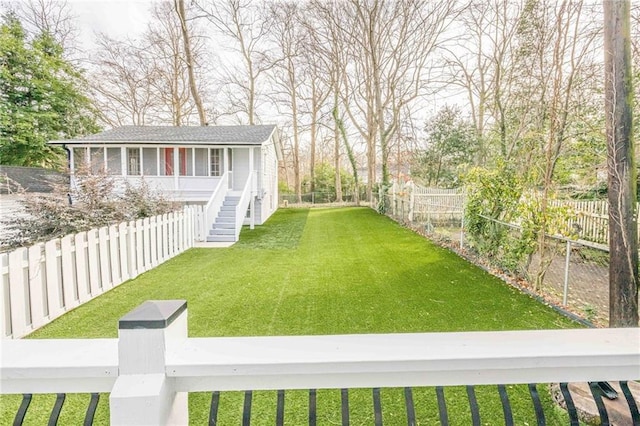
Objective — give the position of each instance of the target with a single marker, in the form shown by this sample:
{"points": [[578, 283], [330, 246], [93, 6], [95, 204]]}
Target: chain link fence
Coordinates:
{"points": [[573, 274], [570, 273], [319, 197]]}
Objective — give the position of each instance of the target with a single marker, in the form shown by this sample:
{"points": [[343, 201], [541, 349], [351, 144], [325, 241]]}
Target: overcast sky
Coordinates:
{"points": [[117, 18]]}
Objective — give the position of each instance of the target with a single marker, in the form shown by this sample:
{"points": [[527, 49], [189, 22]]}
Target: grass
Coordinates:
{"points": [[326, 271]]}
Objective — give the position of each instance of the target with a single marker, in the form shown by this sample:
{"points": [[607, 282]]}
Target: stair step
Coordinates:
{"points": [[226, 219], [228, 208], [227, 213], [224, 225], [221, 238], [222, 231]]}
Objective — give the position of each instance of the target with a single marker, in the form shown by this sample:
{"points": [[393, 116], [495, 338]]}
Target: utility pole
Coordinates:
{"points": [[623, 226]]}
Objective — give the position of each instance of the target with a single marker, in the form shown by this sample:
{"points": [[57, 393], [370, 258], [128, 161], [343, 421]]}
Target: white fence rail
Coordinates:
{"points": [[149, 371], [44, 281], [590, 219], [243, 204]]}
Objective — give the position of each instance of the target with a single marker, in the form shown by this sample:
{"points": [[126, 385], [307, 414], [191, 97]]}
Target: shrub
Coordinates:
{"points": [[92, 202]]}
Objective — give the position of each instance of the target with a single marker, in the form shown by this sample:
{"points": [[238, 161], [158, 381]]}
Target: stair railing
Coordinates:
{"points": [[243, 204], [212, 208]]}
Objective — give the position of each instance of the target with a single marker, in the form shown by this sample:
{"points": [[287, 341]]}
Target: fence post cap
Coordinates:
{"points": [[153, 314]]}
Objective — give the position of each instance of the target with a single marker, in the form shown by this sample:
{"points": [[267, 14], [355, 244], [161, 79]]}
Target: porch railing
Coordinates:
{"points": [[243, 204], [212, 208], [152, 365]]}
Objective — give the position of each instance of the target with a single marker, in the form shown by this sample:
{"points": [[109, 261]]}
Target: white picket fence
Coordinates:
{"points": [[590, 219], [42, 282], [413, 202], [432, 203]]}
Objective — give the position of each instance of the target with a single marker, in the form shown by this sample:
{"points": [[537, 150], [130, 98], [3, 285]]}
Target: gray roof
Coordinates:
{"points": [[225, 135]]}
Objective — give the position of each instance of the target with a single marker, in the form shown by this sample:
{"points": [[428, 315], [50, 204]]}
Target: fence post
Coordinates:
{"points": [[142, 394], [394, 212], [566, 274], [412, 200], [18, 294]]}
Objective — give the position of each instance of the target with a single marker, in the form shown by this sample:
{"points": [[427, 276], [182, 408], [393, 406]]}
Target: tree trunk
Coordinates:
{"points": [[312, 148], [336, 154], [179, 6], [623, 226], [296, 136]]}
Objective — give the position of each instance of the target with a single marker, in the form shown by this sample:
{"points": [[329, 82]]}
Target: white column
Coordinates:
{"points": [[123, 161], [252, 208], [142, 393], [176, 169]]}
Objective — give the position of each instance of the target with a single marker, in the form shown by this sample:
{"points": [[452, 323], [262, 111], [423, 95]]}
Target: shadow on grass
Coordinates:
{"points": [[283, 230]]}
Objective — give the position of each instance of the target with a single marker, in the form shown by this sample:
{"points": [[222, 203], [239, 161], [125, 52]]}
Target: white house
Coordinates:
{"points": [[231, 170]]}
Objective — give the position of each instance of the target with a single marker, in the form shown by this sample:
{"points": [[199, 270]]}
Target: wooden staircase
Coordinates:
{"points": [[224, 226]]}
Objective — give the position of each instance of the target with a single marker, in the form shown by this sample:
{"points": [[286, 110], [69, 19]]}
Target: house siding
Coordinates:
{"points": [[177, 161], [269, 178]]}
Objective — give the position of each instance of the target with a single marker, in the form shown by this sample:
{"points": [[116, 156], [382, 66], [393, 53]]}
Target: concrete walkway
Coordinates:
{"points": [[206, 244]]}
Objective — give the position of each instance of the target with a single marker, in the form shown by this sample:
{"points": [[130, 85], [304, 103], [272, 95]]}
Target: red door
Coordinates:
{"points": [[168, 161]]}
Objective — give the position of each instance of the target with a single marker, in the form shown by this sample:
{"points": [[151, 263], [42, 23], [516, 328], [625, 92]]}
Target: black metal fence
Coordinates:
{"points": [[318, 197], [444, 408]]}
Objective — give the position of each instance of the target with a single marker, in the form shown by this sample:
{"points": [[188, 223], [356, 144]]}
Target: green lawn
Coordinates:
{"points": [[326, 271]]}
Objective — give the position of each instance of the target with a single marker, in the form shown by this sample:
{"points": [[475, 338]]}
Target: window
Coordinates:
{"points": [[133, 161], [79, 158], [200, 155], [96, 156], [150, 161], [114, 160], [216, 162]]}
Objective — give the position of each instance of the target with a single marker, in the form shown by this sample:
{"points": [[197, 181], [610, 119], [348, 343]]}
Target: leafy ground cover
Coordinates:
{"points": [[325, 271]]}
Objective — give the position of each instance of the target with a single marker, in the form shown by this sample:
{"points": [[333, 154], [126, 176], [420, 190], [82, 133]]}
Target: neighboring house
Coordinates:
{"points": [[29, 179], [228, 169]]}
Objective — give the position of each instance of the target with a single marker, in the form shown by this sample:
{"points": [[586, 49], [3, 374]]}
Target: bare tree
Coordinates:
{"points": [[623, 226], [389, 46], [241, 21], [173, 82], [48, 16], [286, 33], [147, 80], [329, 38], [479, 61], [122, 83], [316, 83], [190, 60]]}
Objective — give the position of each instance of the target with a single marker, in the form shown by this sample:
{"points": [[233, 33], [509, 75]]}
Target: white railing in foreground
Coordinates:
{"points": [[149, 369], [42, 282], [243, 204], [212, 208]]}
